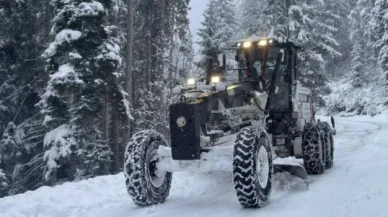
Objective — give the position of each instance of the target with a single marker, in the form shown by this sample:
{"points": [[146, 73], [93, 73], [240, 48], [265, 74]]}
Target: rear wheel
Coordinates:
{"points": [[328, 144], [145, 183], [313, 149], [252, 167]]}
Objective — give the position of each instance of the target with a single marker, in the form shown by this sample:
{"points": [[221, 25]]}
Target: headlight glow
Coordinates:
{"points": [[215, 79], [263, 43], [191, 82], [247, 44]]}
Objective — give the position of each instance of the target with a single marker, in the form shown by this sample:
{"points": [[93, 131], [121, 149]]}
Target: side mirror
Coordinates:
{"points": [[284, 57], [224, 61]]}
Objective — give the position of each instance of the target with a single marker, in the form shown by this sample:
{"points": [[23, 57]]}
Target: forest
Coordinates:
{"points": [[79, 77]]}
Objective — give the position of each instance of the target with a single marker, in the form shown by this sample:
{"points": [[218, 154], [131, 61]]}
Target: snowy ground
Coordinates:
{"points": [[357, 186]]}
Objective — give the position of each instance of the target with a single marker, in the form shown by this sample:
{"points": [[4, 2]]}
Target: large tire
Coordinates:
{"points": [[313, 149], [329, 144], [252, 167], [145, 184]]}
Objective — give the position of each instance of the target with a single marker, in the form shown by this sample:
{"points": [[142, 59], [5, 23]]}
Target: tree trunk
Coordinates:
{"points": [[129, 70], [170, 79], [47, 22], [114, 139], [162, 9]]}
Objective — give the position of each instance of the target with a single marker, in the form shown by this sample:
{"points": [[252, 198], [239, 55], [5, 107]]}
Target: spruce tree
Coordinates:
{"points": [[82, 62], [361, 52], [253, 18], [379, 30], [304, 23], [4, 183], [218, 29]]}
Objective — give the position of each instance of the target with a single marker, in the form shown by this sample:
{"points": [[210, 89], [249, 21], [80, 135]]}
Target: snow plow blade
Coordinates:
{"points": [[294, 169]]}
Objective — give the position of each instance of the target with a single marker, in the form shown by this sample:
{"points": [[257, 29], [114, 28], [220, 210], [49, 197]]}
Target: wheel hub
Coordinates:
{"points": [[156, 176], [262, 167]]}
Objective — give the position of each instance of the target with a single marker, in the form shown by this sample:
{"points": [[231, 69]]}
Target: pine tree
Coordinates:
{"points": [[277, 14], [218, 29], [253, 16], [4, 183], [82, 62], [19, 63], [180, 44], [8, 150], [209, 38], [361, 55], [304, 23], [227, 23], [379, 29]]}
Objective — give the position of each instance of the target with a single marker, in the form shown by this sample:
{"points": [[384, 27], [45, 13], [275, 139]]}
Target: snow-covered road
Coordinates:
{"points": [[357, 186]]}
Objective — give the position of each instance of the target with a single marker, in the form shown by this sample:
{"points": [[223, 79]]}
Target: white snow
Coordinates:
{"points": [[57, 135], [111, 51], [75, 55], [89, 9], [385, 16], [66, 74], [59, 140], [356, 187], [66, 35]]}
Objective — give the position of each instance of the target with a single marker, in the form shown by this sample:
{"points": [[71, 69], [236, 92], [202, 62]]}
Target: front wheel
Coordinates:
{"points": [[252, 168], [145, 183]]}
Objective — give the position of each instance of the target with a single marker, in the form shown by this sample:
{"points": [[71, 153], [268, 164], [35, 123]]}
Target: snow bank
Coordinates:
{"points": [[356, 186], [345, 99], [67, 200]]}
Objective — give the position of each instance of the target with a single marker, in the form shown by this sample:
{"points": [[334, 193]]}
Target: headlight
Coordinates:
{"points": [[181, 122], [263, 43], [191, 82], [247, 44], [215, 79]]}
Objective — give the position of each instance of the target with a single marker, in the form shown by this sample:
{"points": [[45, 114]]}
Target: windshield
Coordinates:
{"points": [[252, 59]]}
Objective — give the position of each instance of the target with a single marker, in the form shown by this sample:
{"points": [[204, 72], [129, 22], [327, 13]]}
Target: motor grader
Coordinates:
{"points": [[245, 128]]}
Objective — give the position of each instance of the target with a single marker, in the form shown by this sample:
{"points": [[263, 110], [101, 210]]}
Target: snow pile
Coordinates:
{"points": [[68, 200], [368, 100], [355, 186], [286, 182]]}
